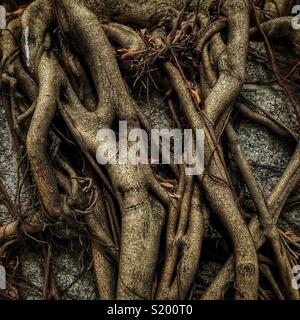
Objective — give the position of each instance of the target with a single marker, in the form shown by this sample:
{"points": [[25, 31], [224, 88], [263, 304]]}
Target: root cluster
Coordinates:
{"points": [[70, 68]]}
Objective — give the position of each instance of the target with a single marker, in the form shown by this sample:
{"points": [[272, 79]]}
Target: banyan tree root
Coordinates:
{"points": [[65, 74]]}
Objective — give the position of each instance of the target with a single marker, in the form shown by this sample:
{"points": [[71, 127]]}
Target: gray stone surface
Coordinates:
{"points": [[8, 163], [268, 154], [73, 282], [79, 285]]}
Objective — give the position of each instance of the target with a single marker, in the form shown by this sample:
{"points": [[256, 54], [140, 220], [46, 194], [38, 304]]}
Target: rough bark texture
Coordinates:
{"points": [[72, 67]]}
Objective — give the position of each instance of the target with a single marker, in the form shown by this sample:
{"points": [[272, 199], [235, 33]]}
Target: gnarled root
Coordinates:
{"points": [[62, 83]]}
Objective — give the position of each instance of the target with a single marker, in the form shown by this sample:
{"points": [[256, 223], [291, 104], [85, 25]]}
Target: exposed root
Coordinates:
{"points": [[70, 68]]}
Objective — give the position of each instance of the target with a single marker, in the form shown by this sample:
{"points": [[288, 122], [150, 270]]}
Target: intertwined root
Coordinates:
{"points": [[64, 83]]}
